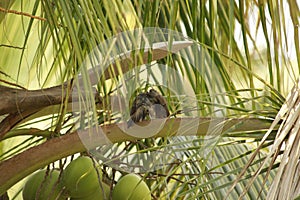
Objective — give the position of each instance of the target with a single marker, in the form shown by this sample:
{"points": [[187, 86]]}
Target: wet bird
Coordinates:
{"points": [[149, 104]]}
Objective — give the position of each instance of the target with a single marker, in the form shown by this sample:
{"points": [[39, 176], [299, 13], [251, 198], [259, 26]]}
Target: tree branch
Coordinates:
{"points": [[18, 100], [16, 168]]}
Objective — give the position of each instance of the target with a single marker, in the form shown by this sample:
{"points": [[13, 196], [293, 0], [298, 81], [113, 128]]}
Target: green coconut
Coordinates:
{"points": [[131, 187], [43, 185], [80, 177]]}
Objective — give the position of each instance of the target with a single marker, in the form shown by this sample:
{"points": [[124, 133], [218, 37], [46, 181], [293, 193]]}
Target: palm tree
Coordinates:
{"points": [[228, 71]]}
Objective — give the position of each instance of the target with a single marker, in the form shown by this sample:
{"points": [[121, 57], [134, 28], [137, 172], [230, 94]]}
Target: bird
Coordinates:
{"points": [[159, 103], [140, 107], [148, 104]]}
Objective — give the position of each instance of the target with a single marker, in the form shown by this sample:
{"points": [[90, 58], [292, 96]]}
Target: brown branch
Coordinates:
{"points": [[20, 103], [21, 13], [12, 120], [10, 83], [18, 100], [23, 164]]}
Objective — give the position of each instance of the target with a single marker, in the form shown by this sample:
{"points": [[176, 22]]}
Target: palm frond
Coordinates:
{"points": [[225, 73]]}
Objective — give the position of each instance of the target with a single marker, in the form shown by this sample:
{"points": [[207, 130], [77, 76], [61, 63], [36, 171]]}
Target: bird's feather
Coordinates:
{"points": [[149, 104]]}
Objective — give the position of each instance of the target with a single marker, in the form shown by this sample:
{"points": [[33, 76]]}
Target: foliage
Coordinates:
{"points": [[253, 45]]}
